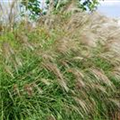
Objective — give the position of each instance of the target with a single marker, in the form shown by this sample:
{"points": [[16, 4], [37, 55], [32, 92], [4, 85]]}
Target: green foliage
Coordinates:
{"points": [[34, 6], [89, 5]]}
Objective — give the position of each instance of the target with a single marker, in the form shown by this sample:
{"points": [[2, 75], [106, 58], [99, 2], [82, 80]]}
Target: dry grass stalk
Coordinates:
{"points": [[53, 67], [11, 16], [16, 90], [39, 90], [10, 57], [28, 88], [79, 77], [7, 51], [82, 104], [100, 76], [51, 117]]}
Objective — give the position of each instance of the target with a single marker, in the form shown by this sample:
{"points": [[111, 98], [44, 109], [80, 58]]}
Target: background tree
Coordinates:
{"points": [[33, 6]]}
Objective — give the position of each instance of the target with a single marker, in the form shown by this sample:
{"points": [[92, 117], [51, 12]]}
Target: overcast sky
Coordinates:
{"points": [[110, 8]]}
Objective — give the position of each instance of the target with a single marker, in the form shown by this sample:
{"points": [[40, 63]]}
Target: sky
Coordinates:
{"points": [[111, 8]]}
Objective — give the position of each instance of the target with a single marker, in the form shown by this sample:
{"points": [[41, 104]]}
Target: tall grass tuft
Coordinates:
{"points": [[60, 70]]}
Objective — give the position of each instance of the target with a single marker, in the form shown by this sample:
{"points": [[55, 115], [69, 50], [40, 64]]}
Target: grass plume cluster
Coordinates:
{"points": [[65, 68]]}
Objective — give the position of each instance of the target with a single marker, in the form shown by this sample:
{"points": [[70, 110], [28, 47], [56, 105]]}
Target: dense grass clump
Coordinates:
{"points": [[51, 73]]}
